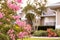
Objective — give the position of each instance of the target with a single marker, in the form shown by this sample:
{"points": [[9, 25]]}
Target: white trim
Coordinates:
{"points": [[57, 26], [46, 37], [56, 20]]}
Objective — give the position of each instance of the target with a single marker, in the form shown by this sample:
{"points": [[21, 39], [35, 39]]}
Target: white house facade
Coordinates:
{"points": [[56, 7]]}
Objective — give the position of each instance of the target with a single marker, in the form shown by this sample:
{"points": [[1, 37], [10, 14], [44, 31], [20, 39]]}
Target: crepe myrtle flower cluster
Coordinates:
{"points": [[11, 34], [12, 4], [25, 28]]}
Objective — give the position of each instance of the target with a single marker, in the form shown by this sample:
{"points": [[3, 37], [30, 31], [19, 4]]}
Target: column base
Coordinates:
{"points": [[57, 27]]}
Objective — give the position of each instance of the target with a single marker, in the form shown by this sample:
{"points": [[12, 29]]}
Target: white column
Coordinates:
{"points": [[57, 19]]}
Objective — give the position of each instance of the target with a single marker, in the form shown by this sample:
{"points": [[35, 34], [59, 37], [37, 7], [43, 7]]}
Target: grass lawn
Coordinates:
{"points": [[39, 39]]}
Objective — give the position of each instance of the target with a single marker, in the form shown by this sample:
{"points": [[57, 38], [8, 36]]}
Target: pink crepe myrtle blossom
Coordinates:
{"points": [[22, 34], [13, 6], [10, 31], [0, 23], [1, 15], [28, 28], [8, 19], [11, 34], [20, 23], [8, 1], [16, 17], [19, 1]]}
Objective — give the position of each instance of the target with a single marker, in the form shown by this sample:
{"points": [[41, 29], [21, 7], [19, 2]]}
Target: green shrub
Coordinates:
{"points": [[4, 37], [58, 32], [40, 33], [4, 30]]}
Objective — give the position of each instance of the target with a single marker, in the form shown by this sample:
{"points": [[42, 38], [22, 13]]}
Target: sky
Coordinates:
{"points": [[52, 1], [49, 2]]}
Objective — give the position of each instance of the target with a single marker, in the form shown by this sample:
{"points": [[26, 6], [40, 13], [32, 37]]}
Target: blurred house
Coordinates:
{"points": [[56, 8], [50, 17]]}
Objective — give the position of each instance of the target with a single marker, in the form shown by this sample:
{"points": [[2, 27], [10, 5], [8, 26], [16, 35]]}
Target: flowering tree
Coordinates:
{"points": [[11, 27]]}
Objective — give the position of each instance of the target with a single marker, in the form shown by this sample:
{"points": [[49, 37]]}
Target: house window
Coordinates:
{"points": [[50, 23]]}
